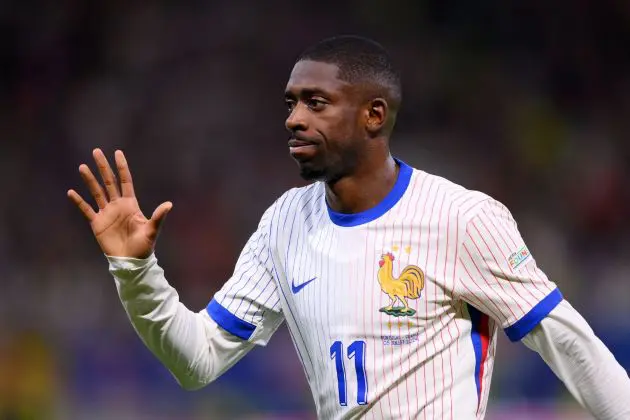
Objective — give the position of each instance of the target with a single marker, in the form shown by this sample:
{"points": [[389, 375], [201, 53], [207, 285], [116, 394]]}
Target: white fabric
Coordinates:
{"points": [[189, 344], [251, 294], [332, 282], [588, 369], [434, 361], [197, 351], [491, 276]]}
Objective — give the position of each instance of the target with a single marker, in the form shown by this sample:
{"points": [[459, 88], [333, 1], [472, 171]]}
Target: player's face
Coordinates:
{"points": [[325, 121]]}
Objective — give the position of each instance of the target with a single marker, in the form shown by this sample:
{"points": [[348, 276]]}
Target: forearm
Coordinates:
{"points": [[189, 344], [588, 369]]}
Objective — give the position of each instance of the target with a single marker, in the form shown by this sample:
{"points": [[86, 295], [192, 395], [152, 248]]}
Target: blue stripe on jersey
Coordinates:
{"points": [[475, 335], [355, 219], [523, 326], [230, 322]]}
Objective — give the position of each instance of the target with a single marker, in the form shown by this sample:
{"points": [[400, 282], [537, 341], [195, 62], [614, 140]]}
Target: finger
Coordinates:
{"points": [[85, 208], [109, 179], [158, 217], [126, 183], [95, 188]]}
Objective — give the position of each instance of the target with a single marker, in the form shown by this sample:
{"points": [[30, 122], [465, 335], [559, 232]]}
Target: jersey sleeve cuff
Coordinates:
{"points": [[230, 322], [523, 326], [128, 263]]}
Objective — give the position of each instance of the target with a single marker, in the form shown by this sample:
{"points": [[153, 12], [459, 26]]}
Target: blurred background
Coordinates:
{"points": [[526, 101]]}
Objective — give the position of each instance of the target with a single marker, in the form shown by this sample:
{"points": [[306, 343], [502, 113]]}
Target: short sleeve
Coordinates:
{"points": [[247, 305], [497, 274]]}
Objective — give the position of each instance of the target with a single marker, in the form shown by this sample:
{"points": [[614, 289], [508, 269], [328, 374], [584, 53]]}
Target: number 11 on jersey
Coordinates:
{"points": [[356, 351]]}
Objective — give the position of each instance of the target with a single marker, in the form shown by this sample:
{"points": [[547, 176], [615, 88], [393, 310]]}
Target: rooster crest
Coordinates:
{"points": [[408, 285]]}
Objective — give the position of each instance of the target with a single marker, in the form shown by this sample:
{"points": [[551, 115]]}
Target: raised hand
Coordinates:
{"points": [[119, 226]]}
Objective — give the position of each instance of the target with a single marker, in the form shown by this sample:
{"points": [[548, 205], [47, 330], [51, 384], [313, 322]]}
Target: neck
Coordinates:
{"points": [[368, 185]]}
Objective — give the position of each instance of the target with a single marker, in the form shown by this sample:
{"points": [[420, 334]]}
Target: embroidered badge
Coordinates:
{"points": [[518, 258]]}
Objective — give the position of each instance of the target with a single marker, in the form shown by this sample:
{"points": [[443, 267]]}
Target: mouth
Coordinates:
{"points": [[299, 142], [299, 148]]}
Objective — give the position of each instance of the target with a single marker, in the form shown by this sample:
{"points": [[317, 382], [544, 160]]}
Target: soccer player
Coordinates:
{"points": [[393, 282]]}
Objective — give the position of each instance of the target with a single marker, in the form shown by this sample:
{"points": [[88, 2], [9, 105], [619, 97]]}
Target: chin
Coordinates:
{"points": [[312, 174]]}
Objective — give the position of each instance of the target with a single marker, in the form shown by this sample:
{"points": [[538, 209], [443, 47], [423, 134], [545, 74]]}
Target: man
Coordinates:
{"points": [[393, 282]]}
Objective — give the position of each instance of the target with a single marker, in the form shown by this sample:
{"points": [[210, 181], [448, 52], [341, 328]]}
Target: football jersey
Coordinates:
{"points": [[394, 311]]}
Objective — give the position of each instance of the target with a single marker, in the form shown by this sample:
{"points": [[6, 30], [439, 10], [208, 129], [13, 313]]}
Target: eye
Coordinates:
{"points": [[290, 104], [316, 104]]}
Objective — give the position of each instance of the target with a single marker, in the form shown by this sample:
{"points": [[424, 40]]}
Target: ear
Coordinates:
{"points": [[376, 112]]}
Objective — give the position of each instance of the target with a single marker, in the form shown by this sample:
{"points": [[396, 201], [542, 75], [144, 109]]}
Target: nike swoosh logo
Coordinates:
{"points": [[295, 289]]}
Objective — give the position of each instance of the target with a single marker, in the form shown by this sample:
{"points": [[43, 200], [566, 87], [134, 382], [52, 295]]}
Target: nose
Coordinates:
{"points": [[296, 121]]}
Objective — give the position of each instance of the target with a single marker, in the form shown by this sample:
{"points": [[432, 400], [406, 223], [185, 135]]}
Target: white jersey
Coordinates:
{"points": [[394, 311]]}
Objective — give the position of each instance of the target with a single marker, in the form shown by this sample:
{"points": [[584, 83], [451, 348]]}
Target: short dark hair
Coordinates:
{"points": [[359, 60]]}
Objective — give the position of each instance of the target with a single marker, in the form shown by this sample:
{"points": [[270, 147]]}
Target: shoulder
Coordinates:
{"points": [[458, 201], [300, 200]]}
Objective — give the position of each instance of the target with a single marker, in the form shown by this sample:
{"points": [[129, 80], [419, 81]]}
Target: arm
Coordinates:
{"points": [[588, 369], [190, 344], [499, 276], [193, 346], [199, 347]]}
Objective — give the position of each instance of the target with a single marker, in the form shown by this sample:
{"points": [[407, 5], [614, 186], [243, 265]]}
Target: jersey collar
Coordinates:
{"points": [[390, 200]]}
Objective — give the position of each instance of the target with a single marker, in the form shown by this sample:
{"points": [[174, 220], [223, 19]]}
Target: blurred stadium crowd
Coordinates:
{"points": [[529, 103]]}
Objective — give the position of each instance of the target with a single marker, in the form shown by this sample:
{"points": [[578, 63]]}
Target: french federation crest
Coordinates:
{"points": [[408, 285]]}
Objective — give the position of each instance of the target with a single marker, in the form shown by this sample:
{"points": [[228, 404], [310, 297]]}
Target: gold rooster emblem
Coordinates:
{"points": [[408, 285]]}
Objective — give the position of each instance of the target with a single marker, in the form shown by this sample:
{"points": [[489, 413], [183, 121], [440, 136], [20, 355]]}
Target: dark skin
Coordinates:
{"points": [[340, 133]]}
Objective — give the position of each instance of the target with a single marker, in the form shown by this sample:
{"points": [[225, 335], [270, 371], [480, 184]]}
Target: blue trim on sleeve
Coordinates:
{"points": [[230, 322], [390, 200], [523, 326]]}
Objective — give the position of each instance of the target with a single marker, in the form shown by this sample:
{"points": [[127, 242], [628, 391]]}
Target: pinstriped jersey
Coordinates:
{"points": [[394, 311]]}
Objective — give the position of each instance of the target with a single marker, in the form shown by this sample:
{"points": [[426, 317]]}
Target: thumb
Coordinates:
{"points": [[158, 217]]}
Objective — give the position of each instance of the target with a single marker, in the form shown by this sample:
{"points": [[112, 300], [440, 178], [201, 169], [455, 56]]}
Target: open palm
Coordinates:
{"points": [[119, 226]]}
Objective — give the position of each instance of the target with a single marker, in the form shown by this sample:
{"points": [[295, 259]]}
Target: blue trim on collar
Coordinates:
{"points": [[390, 200]]}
